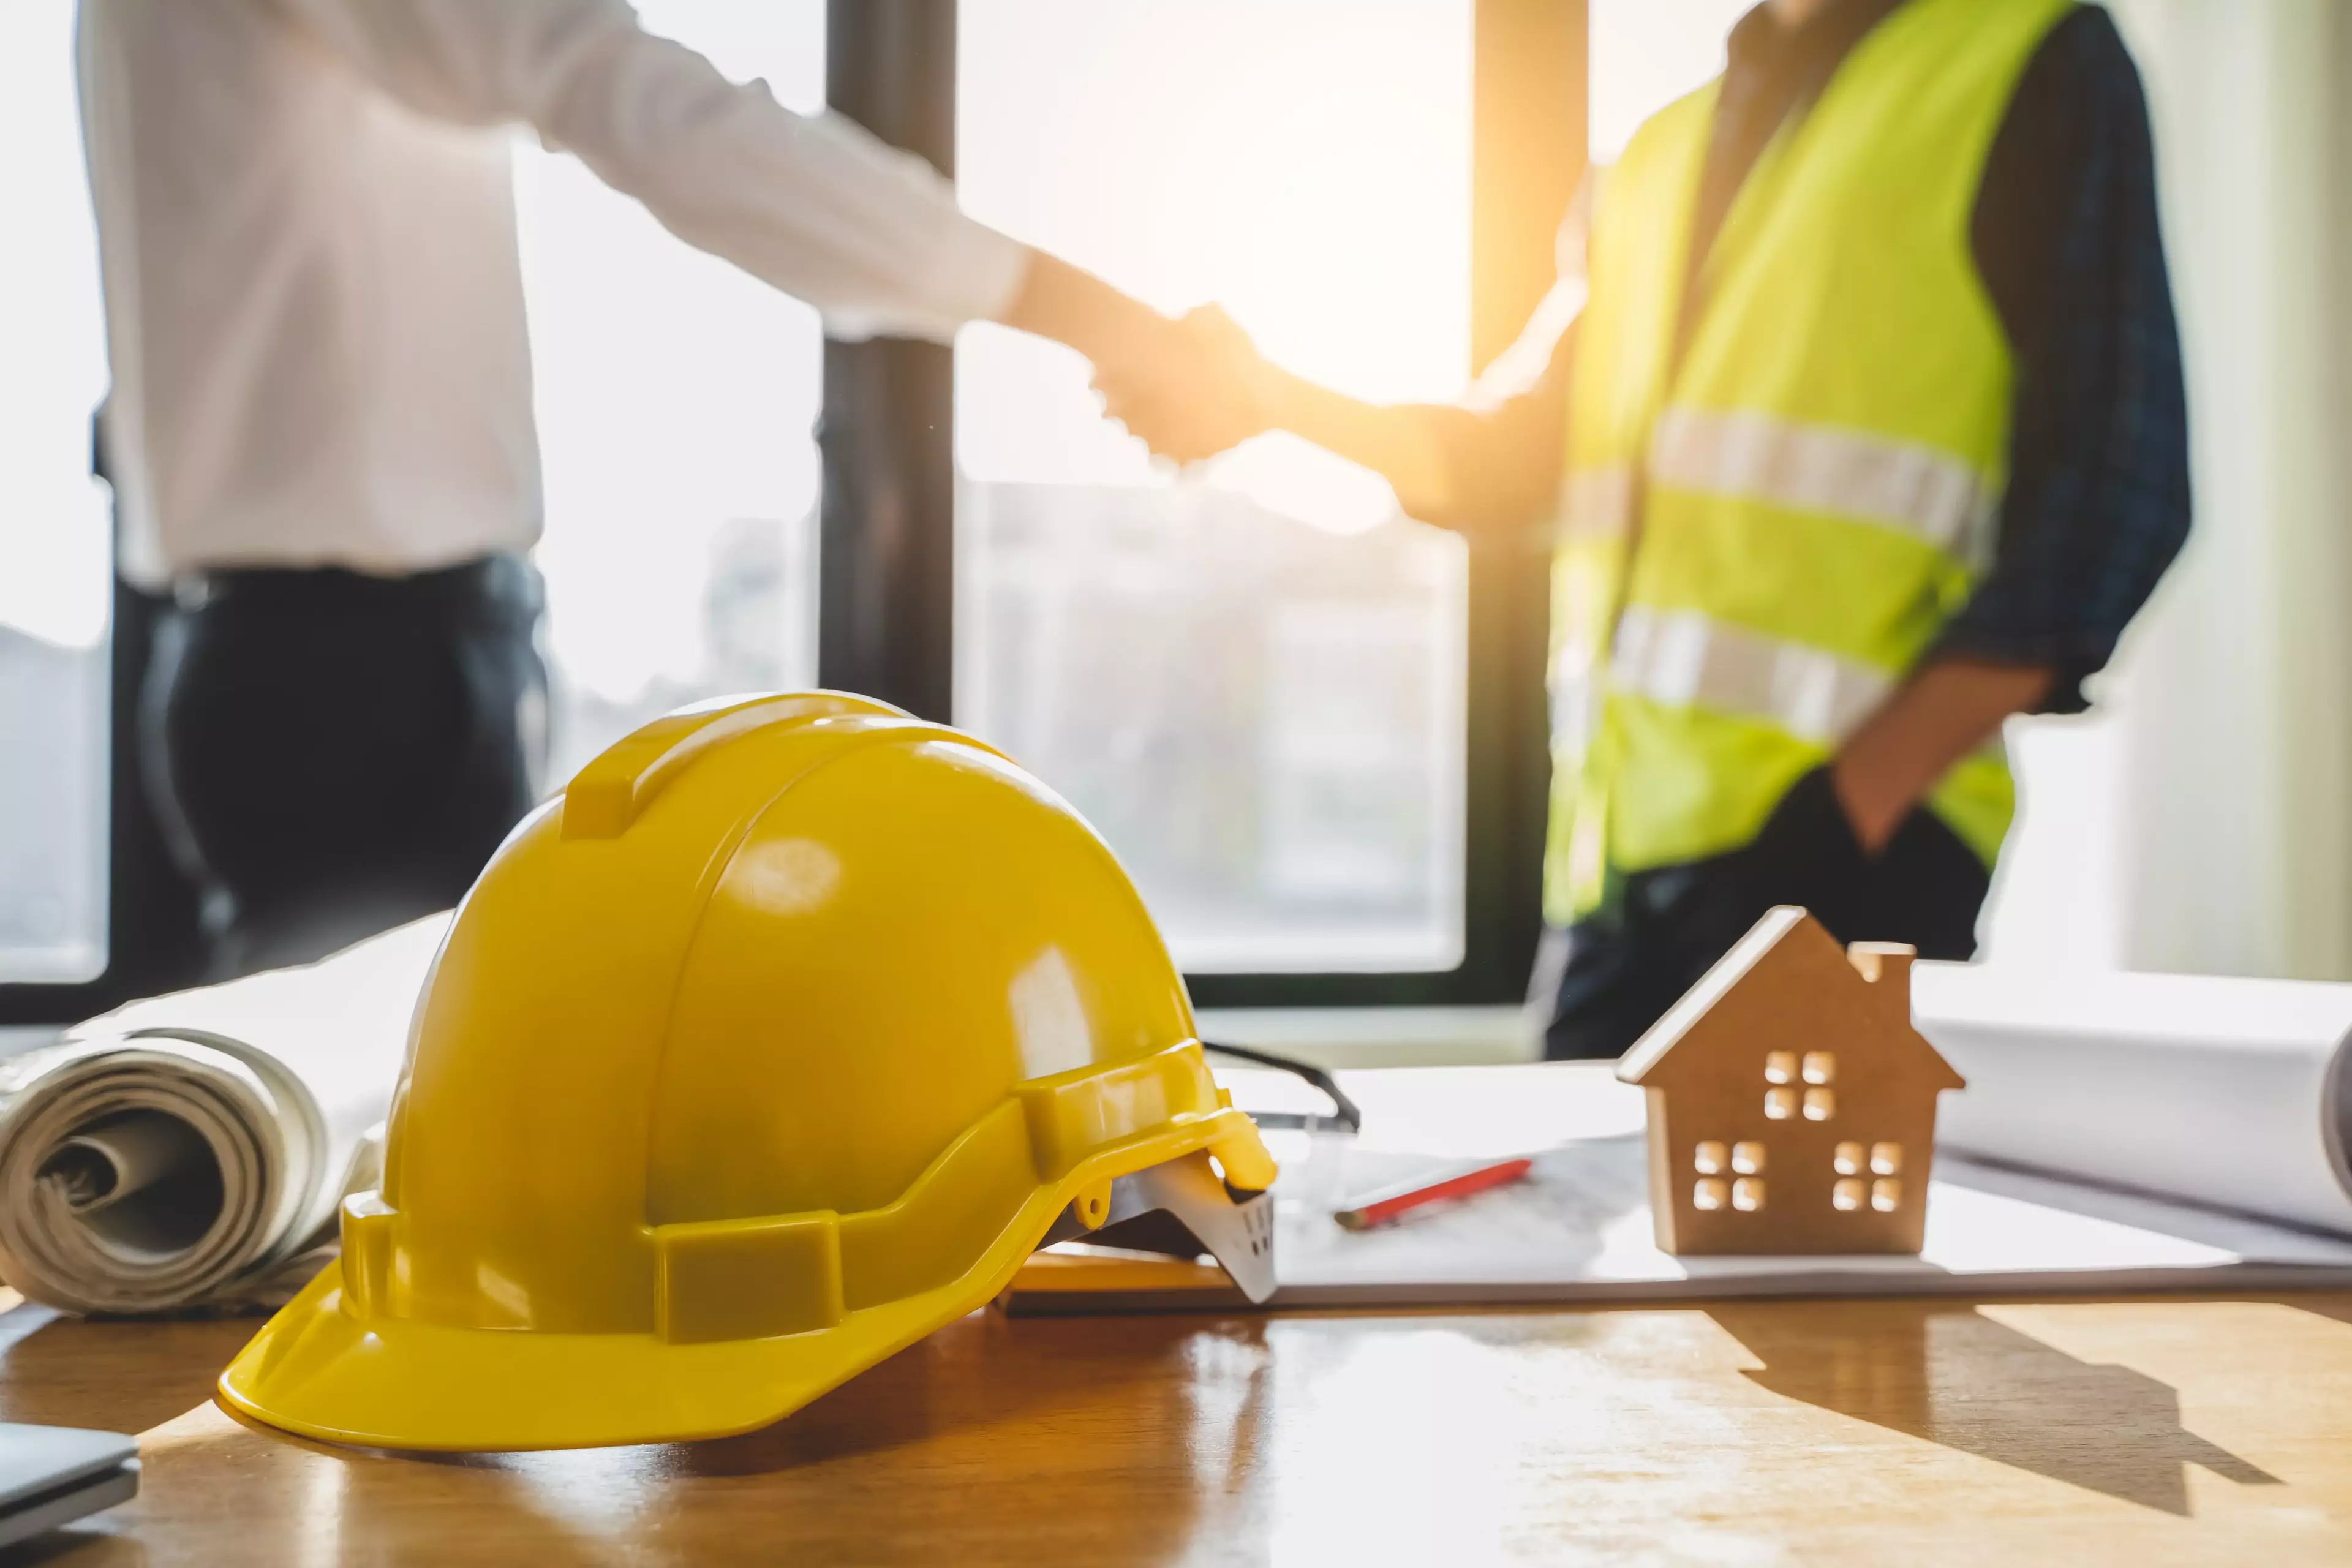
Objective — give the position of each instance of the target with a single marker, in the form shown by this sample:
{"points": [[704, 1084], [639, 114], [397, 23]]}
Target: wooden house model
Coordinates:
{"points": [[1791, 1104]]}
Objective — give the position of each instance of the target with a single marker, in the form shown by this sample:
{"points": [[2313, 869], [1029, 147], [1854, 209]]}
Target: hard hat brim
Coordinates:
{"points": [[391, 1383], [316, 1370]]}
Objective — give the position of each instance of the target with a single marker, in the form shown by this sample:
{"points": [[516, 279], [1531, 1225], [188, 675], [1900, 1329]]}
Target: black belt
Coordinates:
{"points": [[501, 581]]}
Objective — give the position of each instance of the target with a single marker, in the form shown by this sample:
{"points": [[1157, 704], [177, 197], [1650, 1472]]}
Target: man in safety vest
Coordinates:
{"points": [[1874, 434]]}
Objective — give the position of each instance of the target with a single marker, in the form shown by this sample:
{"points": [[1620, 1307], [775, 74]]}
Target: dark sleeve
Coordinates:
{"points": [[2067, 237], [1504, 463]]}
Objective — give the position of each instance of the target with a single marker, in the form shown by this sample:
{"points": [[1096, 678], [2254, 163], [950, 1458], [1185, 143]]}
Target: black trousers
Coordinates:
{"points": [[332, 753], [1605, 980]]}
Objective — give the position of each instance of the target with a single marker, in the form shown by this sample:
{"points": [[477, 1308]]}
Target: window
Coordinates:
{"points": [[1312, 726], [55, 562], [1253, 678], [677, 402], [1886, 1193]]}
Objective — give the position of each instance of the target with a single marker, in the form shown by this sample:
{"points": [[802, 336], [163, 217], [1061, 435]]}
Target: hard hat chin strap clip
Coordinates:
{"points": [[1183, 1208]]}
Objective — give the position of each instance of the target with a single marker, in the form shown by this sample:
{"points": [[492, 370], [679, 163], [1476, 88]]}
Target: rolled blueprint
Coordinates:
{"points": [[191, 1150], [2230, 1093]]}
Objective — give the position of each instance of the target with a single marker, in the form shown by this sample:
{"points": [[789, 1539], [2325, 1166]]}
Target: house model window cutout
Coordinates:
{"points": [[1791, 1105]]}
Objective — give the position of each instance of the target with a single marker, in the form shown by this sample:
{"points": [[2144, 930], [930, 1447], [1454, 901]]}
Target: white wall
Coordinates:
{"points": [[2233, 711]]}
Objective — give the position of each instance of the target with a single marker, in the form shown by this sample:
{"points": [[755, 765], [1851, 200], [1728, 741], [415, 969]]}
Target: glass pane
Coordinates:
{"points": [[56, 566], [1251, 676], [676, 401]]}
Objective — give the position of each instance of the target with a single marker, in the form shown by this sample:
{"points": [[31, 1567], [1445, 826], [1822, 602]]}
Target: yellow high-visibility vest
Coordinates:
{"points": [[1757, 545]]}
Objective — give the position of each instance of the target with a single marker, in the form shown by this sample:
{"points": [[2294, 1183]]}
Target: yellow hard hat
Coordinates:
{"points": [[777, 1041]]}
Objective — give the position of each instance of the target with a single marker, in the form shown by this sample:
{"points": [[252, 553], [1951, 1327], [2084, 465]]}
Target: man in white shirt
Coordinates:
{"points": [[319, 435]]}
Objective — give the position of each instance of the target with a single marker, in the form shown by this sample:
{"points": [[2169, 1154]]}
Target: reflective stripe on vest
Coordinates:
{"points": [[1682, 658], [1685, 659], [1900, 485], [1743, 456]]}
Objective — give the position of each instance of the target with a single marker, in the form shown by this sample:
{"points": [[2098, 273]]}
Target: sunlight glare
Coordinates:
{"points": [[1182, 155]]}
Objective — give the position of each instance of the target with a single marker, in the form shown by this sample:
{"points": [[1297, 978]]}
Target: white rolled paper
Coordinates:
{"points": [[2227, 1092], [190, 1151]]}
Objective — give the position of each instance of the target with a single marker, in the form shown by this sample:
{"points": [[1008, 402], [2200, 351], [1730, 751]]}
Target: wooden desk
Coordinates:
{"points": [[2141, 1431]]}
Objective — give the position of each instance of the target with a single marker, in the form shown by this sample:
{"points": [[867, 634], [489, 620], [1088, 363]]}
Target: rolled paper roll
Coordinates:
{"points": [[243, 1150], [190, 1152], [118, 1159], [2231, 1093]]}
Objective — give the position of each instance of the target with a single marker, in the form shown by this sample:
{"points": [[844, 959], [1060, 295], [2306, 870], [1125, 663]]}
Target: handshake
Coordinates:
{"points": [[1188, 389]]}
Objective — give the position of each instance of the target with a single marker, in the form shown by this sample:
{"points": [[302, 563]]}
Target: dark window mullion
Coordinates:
{"points": [[886, 571]]}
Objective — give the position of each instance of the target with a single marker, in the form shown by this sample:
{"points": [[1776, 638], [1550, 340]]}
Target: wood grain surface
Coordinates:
{"points": [[2146, 1431]]}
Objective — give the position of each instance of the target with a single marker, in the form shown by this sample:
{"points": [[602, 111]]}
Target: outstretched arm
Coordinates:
{"points": [[868, 234], [1057, 300], [1406, 443], [1459, 469]]}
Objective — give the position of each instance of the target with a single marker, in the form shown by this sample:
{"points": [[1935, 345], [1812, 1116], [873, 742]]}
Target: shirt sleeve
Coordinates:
{"points": [[1505, 445], [1503, 453], [2066, 234], [868, 234]]}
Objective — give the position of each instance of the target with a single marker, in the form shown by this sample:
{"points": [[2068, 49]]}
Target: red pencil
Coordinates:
{"points": [[1380, 1210]]}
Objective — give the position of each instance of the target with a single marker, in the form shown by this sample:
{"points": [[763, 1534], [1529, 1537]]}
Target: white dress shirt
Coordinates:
{"points": [[307, 227]]}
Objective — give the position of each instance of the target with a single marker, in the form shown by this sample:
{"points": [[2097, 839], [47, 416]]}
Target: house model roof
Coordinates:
{"points": [[1789, 965]]}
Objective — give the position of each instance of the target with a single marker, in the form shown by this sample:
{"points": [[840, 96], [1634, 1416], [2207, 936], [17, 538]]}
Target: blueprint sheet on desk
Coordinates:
{"points": [[1579, 1226]]}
